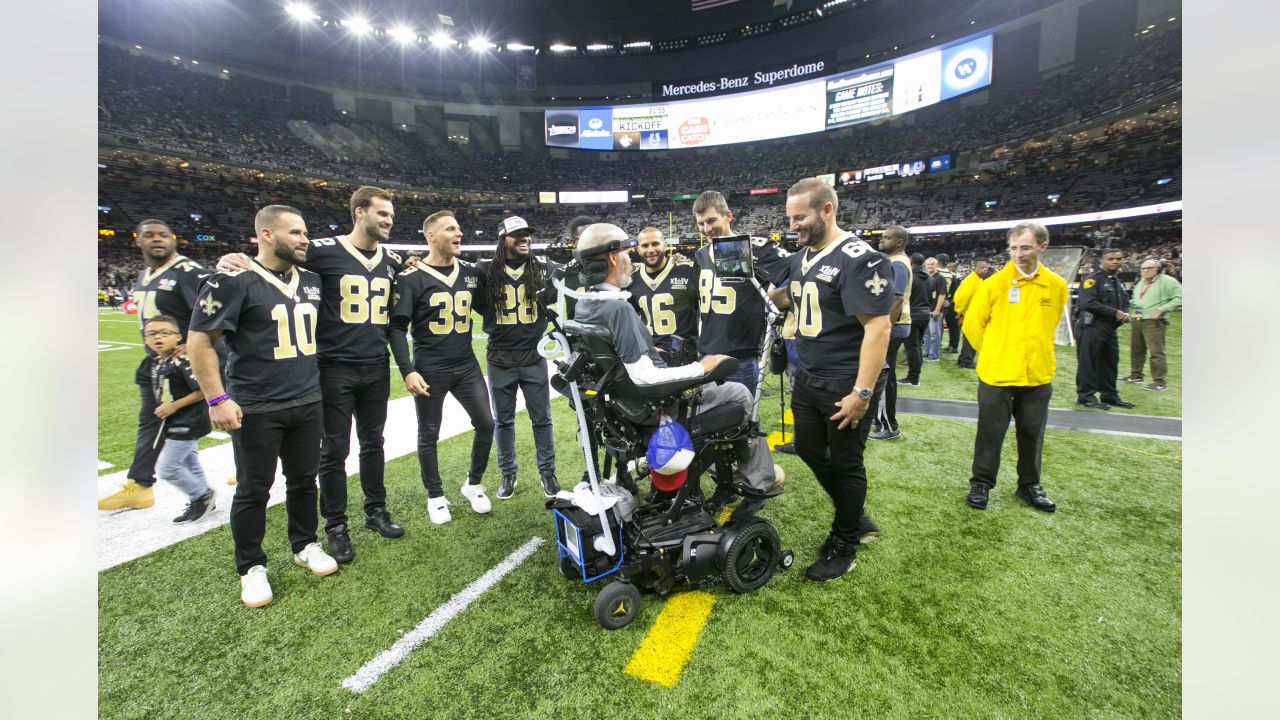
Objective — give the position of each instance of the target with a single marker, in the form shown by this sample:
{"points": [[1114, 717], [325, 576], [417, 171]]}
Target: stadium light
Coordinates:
{"points": [[301, 12], [479, 44], [517, 47], [638, 44], [357, 25], [403, 34], [599, 46], [440, 39], [561, 47]]}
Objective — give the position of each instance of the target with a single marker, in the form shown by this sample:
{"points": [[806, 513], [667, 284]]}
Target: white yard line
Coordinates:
{"points": [[129, 534], [369, 673], [104, 465]]}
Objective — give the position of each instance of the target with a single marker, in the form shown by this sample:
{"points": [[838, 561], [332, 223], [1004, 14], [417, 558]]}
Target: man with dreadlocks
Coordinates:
{"points": [[517, 285]]}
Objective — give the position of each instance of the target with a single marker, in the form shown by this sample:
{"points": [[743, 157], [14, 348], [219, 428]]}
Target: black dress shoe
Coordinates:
{"points": [[340, 545], [977, 497], [1093, 404], [1117, 402], [1035, 497], [381, 523]]}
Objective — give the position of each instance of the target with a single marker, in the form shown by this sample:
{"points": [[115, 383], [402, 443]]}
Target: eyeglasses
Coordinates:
{"points": [[159, 333]]}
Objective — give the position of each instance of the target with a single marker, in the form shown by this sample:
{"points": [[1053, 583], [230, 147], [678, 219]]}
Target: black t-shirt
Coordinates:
{"points": [[668, 301], [630, 338], [731, 310], [922, 297], [357, 289], [271, 322], [436, 304], [828, 290], [172, 379], [517, 327], [169, 290]]}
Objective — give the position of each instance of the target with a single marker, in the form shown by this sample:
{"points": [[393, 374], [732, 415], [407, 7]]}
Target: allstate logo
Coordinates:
{"points": [[595, 123], [965, 68]]}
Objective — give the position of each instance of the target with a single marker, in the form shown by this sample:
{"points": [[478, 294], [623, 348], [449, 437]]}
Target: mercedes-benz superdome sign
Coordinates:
{"points": [[851, 97]]}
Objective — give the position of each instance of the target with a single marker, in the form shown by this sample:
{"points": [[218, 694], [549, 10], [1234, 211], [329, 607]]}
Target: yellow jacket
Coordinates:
{"points": [[1011, 322], [964, 293]]}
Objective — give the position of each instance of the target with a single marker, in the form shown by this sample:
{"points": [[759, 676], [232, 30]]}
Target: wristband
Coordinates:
{"points": [[219, 400]]}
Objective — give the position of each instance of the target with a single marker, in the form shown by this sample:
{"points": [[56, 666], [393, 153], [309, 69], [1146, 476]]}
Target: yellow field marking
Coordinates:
{"points": [[664, 651]]}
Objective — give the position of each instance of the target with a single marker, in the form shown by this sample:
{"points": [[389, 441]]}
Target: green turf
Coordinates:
{"points": [[955, 613], [944, 381]]}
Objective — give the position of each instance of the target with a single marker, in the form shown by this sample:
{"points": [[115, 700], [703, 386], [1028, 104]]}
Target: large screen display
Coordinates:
{"points": [[851, 97]]}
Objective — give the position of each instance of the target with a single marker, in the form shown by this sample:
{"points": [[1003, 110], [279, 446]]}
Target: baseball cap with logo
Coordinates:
{"points": [[670, 452], [512, 224]]}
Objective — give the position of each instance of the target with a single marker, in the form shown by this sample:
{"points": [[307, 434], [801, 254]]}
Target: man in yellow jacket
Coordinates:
{"points": [[1010, 322], [964, 295]]}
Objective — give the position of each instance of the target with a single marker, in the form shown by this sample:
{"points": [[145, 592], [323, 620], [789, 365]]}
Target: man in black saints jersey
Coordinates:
{"points": [[842, 293], [168, 286], [665, 292], [576, 226], [731, 310], [272, 400], [435, 300], [517, 287], [357, 276]]}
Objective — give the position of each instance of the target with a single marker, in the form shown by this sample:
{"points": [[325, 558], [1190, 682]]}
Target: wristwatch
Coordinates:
{"points": [[863, 393]]}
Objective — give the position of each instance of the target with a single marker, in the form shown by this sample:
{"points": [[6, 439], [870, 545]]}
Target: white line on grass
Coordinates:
{"points": [[367, 675], [103, 465], [219, 435]]}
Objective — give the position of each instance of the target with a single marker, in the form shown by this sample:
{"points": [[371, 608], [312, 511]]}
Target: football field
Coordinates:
{"points": [[954, 613]]}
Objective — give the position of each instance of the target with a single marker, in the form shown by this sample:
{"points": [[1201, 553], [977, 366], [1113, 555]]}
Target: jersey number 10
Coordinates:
{"points": [[298, 336]]}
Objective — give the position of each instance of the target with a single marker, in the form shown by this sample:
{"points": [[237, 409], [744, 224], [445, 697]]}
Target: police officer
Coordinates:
{"points": [[1100, 310]]}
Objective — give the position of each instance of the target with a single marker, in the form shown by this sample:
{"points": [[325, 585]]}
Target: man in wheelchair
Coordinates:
{"points": [[628, 388]]}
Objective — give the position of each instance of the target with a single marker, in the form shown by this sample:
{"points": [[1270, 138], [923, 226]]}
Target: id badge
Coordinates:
{"points": [[1014, 294]]}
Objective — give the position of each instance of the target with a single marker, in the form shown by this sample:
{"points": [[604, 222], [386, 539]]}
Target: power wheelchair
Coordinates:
{"points": [[666, 537]]}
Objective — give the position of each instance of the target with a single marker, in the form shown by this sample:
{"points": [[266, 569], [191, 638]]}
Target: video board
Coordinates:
{"points": [[848, 98]]}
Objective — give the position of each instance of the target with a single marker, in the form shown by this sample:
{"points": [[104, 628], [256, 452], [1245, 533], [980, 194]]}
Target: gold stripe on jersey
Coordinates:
{"points": [[517, 273], [367, 263], [654, 283], [289, 289], [150, 275], [446, 279], [807, 262]]}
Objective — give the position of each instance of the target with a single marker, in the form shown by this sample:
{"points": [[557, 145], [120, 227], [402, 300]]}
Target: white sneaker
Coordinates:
{"points": [[438, 509], [315, 559], [255, 591], [479, 501]]}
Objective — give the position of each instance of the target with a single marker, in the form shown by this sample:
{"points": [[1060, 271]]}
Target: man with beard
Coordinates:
{"points": [[893, 243], [732, 313], [841, 290], [272, 400], [517, 286], [665, 293], [357, 276], [436, 300], [168, 286]]}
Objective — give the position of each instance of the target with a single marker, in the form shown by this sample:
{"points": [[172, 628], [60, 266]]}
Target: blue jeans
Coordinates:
{"points": [[179, 463], [933, 338], [534, 383], [748, 374]]}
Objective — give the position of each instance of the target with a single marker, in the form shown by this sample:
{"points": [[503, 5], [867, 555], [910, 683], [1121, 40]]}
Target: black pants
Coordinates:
{"points": [[919, 324], [291, 435], [834, 456], [886, 411], [149, 442], [1097, 360], [968, 358], [360, 390], [953, 326], [468, 386], [1028, 405]]}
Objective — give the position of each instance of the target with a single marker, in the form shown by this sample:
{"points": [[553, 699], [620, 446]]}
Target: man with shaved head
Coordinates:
{"points": [[605, 253]]}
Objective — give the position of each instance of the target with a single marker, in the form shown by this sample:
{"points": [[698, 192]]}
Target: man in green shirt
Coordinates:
{"points": [[1155, 295]]}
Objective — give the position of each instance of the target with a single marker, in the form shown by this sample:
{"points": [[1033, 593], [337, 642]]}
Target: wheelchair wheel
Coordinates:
{"points": [[568, 569], [787, 560], [617, 605], [751, 558]]}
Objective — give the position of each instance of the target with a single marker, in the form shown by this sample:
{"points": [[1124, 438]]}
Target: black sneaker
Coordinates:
{"points": [[507, 487], [550, 485], [867, 531], [1035, 497], [1131, 379], [380, 522], [977, 497], [340, 545], [787, 448], [909, 381], [196, 509], [886, 434], [836, 559]]}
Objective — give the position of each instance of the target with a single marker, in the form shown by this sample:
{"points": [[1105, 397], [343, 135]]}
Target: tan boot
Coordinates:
{"points": [[132, 495]]}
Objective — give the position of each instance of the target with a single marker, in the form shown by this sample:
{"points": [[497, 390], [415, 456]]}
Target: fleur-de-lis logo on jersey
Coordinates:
{"points": [[876, 284], [209, 305]]}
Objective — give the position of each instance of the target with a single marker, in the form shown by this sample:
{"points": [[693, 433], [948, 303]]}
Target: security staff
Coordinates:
{"points": [[1100, 310]]}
